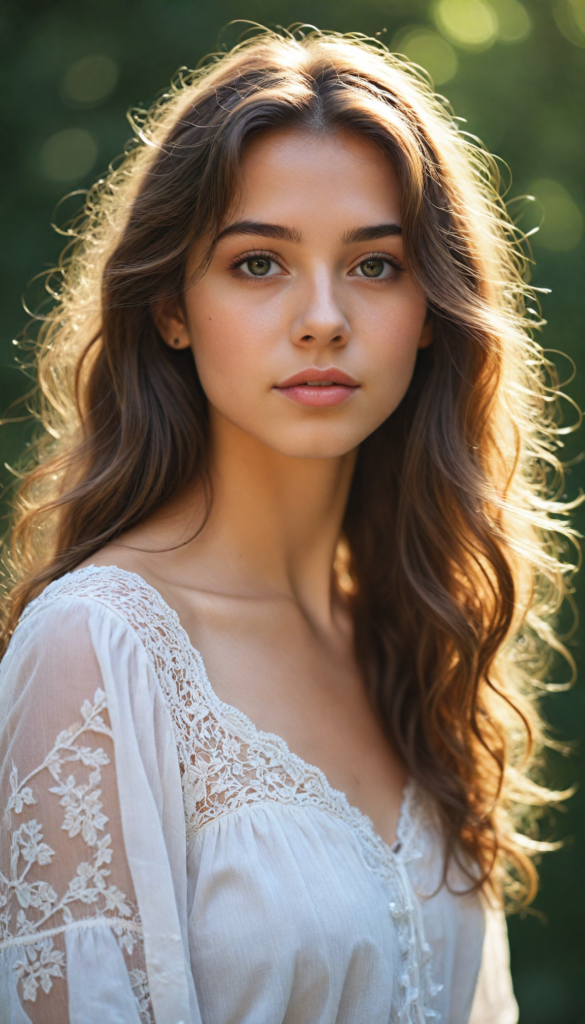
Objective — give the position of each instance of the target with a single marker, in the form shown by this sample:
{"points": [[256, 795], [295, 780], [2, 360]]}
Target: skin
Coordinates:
{"points": [[254, 589]]}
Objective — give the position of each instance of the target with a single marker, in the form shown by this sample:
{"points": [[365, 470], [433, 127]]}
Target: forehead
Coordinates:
{"points": [[329, 177]]}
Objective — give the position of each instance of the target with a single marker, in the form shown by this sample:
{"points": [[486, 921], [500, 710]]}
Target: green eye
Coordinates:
{"points": [[258, 265], [372, 268]]}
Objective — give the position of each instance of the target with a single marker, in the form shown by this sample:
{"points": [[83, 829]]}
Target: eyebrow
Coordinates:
{"points": [[285, 234], [368, 234], [252, 227]]}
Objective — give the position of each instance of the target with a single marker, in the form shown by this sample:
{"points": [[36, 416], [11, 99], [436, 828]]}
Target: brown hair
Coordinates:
{"points": [[451, 561]]}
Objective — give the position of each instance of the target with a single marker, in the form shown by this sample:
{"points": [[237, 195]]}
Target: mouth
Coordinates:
{"points": [[318, 388]]}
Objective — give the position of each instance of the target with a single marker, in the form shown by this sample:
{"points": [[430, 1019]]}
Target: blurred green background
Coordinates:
{"points": [[514, 71]]}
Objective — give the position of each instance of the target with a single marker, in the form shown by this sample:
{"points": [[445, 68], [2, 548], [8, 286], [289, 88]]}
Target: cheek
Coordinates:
{"points": [[392, 339], [229, 352]]}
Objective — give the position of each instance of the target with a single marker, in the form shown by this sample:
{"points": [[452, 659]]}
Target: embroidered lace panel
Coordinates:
{"points": [[33, 915], [227, 763]]}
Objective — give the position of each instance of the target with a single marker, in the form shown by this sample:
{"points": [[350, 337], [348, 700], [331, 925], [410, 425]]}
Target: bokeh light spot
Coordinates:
{"points": [[578, 12], [514, 22], [562, 224], [68, 154], [472, 24], [570, 18], [431, 51], [90, 80]]}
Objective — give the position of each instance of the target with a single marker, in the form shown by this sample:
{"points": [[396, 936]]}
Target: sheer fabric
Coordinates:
{"points": [[161, 860]]}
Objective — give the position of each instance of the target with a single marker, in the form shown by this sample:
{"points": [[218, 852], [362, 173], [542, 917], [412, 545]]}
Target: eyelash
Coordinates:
{"points": [[385, 258], [240, 260]]}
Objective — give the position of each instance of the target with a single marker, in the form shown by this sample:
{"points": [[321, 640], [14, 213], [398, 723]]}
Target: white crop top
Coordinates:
{"points": [[163, 861]]}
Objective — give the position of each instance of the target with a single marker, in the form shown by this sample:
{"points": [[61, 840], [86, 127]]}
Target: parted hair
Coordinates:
{"points": [[453, 540]]}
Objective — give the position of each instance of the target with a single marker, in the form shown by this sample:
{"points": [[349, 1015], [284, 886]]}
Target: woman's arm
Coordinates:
{"points": [[494, 1001], [92, 873]]}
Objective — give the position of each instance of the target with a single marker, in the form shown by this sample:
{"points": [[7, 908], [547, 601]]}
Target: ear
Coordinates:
{"points": [[426, 336], [171, 323]]}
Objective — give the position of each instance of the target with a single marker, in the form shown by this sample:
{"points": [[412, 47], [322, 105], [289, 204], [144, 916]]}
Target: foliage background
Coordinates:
{"points": [[70, 69]]}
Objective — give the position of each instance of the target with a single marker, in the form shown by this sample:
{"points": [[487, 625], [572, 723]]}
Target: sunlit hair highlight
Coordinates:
{"points": [[452, 543]]}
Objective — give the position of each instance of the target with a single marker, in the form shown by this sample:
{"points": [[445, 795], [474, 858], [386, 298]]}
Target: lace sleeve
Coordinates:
{"points": [[70, 931], [494, 1001]]}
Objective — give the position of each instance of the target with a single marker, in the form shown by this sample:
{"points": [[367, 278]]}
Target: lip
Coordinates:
{"points": [[330, 386], [330, 373]]}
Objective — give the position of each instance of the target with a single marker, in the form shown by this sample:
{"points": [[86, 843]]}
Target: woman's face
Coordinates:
{"points": [[306, 325]]}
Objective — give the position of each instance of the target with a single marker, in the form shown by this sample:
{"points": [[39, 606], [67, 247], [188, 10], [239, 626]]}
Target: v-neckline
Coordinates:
{"points": [[239, 724]]}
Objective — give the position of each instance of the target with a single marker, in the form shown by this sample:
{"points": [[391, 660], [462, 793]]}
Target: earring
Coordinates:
{"points": [[176, 341]]}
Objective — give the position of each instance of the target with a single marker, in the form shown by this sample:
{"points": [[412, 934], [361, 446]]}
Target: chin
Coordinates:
{"points": [[315, 444]]}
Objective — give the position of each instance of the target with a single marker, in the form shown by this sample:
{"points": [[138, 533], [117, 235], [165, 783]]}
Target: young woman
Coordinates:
{"points": [[280, 571]]}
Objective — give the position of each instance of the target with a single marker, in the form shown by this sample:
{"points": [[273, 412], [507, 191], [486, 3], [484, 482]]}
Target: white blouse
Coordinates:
{"points": [[162, 860]]}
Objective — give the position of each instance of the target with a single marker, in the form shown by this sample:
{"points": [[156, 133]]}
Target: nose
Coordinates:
{"points": [[321, 321]]}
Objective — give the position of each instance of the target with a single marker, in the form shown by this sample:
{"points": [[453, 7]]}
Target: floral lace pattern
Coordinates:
{"points": [[42, 913], [227, 763]]}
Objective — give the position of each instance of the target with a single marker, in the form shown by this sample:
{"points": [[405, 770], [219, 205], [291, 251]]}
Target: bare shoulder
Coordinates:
{"points": [[156, 548], [186, 582], [119, 556], [149, 550]]}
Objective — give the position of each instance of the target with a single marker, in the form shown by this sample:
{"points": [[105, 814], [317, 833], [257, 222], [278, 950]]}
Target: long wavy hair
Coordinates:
{"points": [[451, 545]]}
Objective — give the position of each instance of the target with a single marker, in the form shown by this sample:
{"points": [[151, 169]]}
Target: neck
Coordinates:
{"points": [[274, 523]]}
